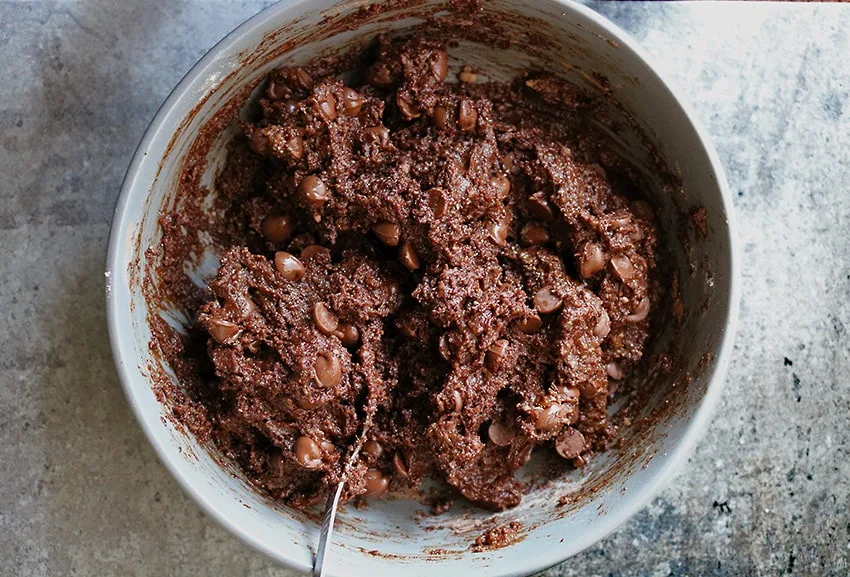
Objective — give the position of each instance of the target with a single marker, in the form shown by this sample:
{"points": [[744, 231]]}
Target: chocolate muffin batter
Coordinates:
{"points": [[466, 263]]}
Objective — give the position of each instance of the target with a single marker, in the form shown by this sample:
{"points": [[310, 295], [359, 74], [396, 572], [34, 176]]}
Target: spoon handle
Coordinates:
{"points": [[333, 502], [327, 531]]}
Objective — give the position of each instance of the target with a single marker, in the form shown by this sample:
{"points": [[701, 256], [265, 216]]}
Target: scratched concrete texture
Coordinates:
{"points": [[765, 493]]}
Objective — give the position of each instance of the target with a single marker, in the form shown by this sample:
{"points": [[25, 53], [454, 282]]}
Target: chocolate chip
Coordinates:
{"points": [[614, 370], [467, 116], [623, 267], [400, 465], [603, 325], [502, 184], [310, 251], [407, 109], [467, 76], [275, 91], [352, 101], [314, 191], [538, 206], [440, 65], [439, 116], [308, 453], [276, 227], [288, 266], [549, 419], [303, 79], [380, 76], [327, 107], [408, 257], [643, 210], [498, 232], [637, 234], [349, 335], [387, 232], [295, 147], [444, 347], [546, 302], [376, 483], [328, 370], [530, 324], [640, 312], [619, 219], [437, 202], [222, 330], [592, 259], [570, 443], [259, 141], [534, 234], [309, 404], [373, 449], [501, 434], [325, 320], [378, 133], [456, 402], [249, 308], [495, 355]]}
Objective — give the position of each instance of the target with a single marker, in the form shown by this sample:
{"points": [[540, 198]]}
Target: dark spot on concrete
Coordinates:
{"points": [[682, 569], [7, 221], [69, 212], [837, 324], [791, 473], [654, 526], [722, 507], [790, 567], [808, 476], [796, 387], [157, 497], [740, 193], [788, 362], [19, 122], [834, 105]]}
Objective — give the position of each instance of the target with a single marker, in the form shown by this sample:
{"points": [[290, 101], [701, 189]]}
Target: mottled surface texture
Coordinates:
{"points": [[765, 493]]}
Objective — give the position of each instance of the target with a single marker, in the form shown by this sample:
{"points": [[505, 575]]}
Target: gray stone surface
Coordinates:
{"points": [[766, 492]]}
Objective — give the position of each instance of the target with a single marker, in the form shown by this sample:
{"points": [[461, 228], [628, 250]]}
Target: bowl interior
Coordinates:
{"points": [[576, 44]]}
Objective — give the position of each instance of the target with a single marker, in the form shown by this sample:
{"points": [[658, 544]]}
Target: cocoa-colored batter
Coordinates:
{"points": [[467, 262]]}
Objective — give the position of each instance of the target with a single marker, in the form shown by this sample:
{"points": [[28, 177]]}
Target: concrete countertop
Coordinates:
{"points": [[767, 492]]}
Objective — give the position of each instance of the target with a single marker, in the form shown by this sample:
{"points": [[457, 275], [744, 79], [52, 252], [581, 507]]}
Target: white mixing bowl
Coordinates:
{"points": [[388, 539]]}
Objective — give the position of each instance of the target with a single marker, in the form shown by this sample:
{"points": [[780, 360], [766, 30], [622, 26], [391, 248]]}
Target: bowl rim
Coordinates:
{"points": [[693, 430]]}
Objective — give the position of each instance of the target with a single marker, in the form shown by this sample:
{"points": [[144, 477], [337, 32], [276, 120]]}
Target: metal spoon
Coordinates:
{"points": [[327, 530], [333, 503]]}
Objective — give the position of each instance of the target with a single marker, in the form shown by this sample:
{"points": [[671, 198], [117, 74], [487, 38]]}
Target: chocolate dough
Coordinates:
{"points": [[467, 262]]}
